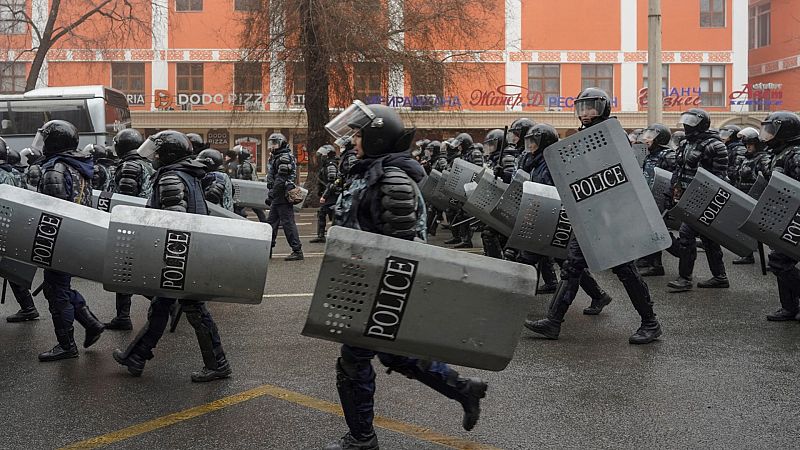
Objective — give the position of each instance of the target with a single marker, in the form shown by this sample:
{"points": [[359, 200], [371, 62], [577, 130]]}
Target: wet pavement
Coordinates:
{"points": [[721, 377]]}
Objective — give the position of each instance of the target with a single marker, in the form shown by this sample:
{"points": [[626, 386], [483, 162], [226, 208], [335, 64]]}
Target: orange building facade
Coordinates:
{"points": [[184, 69]]}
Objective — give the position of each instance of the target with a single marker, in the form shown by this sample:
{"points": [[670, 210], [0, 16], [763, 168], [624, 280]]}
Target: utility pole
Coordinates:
{"points": [[655, 101]]}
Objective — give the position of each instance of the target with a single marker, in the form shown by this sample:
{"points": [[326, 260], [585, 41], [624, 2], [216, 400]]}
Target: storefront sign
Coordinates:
{"points": [[219, 138], [759, 94], [683, 96], [513, 95]]}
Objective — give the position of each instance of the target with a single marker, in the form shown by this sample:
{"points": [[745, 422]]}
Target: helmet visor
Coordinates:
{"points": [[38, 143], [490, 146], [769, 130], [349, 121], [532, 143], [690, 120], [725, 134], [512, 137], [148, 148], [589, 108], [647, 136], [748, 133]]}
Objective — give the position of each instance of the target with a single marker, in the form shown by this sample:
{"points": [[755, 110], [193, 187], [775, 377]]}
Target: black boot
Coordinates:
{"points": [[639, 294], [680, 284], [788, 297], [132, 360], [348, 442], [123, 319], [94, 328], [648, 332], [745, 260], [550, 327], [215, 364], [597, 305], [27, 310], [715, 283], [24, 314], [295, 256], [216, 368], [548, 273], [356, 399], [65, 348], [318, 240]]}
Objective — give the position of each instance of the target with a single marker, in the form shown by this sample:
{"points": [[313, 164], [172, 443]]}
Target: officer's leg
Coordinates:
{"points": [[141, 348], [122, 321], [687, 252], [240, 211], [491, 243], [273, 219], [27, 310], [600, 298], [260, 214], [453, 215], [443, 379], [94, 328], [290, 228], [215, 364], [58, 293], [571, 271], [465, 232], [788, 277], [322, 215], [639, 294], [654, 266], [355, 381], [714, 256]]}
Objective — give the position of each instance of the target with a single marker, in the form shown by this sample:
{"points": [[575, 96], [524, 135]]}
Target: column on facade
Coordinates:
{"points": [[396, 43], [739, 35], [39, 14], [513, 35], [628, 71], [160, 27], [277, 66]]}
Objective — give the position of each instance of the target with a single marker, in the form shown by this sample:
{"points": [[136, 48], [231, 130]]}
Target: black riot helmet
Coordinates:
{"points": [[451, 150], [729, 132], [4, 152], [422, 144], [656, 135], [633, 136], [750, 139], [677, 137], [463, 142], [98, 152], [695, 121], [493, 141], [167, 147], [197, 143], [54, 137], [539, 137], [592, 106], [276, 141], [127, 141], [519, 128], [243, 153], [211, 158], [779, 127], [435, 147], [13, 157], [382, 129]]}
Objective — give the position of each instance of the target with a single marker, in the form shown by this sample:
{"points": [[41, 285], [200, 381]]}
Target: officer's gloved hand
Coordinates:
{"points": [[268, 201], [510, 254], [498, 171]]}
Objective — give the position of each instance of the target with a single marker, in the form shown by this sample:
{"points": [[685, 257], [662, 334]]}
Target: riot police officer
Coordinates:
{"points": [[438, 161], [246, 170], [657, 137], [9, 175], [176, 187], [780, 131], [102, 179], [280, 180], [132, 176], [383, 199], [66, 174], [217, 186], [593, 106], [464, 145], [326, 177], [197, 143], [747, 167], [701, 148], [516, 134], [453, 213], [33, 171], [729, 135]]}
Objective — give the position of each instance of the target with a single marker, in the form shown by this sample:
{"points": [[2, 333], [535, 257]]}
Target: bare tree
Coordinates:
{"points": [[86, 23], [331, 38]]}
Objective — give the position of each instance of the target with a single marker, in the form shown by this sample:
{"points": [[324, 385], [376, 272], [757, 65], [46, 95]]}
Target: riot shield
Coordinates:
{"points": [[662, 188], [218, 211], [716, 210], [105, 201], [441, 192], [414, 299], [461, 173], [178, 255], [250, 194], [17, 272], [775, 220], [542, 226], [485, 198], [640, 151], [52, 233], [433, 191], [507, 208], [607, 199], [758, 187]]}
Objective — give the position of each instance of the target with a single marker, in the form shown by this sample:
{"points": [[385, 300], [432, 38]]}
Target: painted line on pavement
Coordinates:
{"points": [[420, 433], [318, 254], [304, 294]]}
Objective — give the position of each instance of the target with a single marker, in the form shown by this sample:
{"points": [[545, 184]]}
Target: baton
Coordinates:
{"points": [[468, 219], [174, 324], [3, 298], [37, 290], [761, 257]]}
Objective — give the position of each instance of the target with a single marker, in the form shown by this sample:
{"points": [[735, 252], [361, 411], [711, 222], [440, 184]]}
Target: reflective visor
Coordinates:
{"points": [[348, 122], [38, 143], [148, 148], [648, 136], [490, 146], [725, 134], [748, 133], [532, 143], [769, 130], [590, 107], [690, 120]]}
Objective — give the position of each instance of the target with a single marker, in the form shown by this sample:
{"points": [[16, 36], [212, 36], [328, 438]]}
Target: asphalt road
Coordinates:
{"points": [[720, 377]]}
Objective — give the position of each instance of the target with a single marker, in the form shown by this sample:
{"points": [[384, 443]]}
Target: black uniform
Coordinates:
{"points": [[327, 175], [246, 170], [281, 179]]}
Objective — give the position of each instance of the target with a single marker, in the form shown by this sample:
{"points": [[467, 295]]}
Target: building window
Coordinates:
{"points": [[759, 25], [712, 85], [599, 76], [247, 82], [188, 5], [367, 81], [129, 78], [247, 5], [664, 77], [546, 80], [427, 89], [12, 78], [190, 80], [12, 17], [712, 13]]}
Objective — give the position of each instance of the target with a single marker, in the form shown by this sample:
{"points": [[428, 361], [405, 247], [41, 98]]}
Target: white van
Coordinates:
{"points": [[97, 111]]}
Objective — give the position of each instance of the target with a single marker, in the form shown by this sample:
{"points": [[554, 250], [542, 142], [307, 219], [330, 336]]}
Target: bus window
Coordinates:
{"points": [[28, 115], [6, 124], [117, 118]]}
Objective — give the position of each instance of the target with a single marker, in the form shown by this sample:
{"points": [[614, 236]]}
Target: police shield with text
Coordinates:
{"points": [[176, 187], [701, 148], [217, 186], [9, 175], [66, 174], [281, 178], [384, 199], [593, 106], [246, 170]]}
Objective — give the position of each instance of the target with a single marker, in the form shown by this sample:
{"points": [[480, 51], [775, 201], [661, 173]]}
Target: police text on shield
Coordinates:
{"points": [[563, 230], [390, 302], [45, 240], [714, 207], [176, 256], [792, 232], [598, 182]]}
